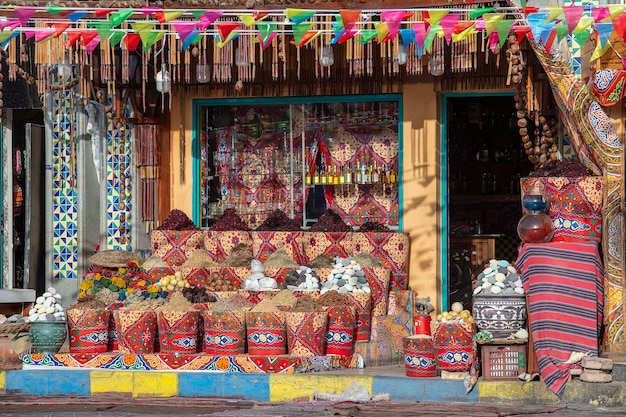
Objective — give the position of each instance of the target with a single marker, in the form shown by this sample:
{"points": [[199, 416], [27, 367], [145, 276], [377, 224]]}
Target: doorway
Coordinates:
{"points": [[484, 161]]}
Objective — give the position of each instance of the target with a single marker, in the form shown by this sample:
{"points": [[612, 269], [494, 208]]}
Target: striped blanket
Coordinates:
{"points": [[564, 284]]}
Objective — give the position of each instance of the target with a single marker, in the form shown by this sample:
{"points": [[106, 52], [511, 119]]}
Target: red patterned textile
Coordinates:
{"points": [[575, 206], [306, 333], [174, 246], [88, 330], [266, 243], [331, 244], [608, 85], [391, 249], [219, 244], [564, 283]]}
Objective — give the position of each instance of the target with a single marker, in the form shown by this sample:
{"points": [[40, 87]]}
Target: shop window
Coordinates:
{"points": [[302, 158]]}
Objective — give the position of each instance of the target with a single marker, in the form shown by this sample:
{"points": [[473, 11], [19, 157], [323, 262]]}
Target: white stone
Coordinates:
{"points": [[46, 294], [40, 300]]}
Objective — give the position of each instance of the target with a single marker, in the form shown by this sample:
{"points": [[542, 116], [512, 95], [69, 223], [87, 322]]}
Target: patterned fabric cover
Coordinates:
{"points": [[331, 244], [266, 243], [220, 244], [174, 246], [391, 249], [575, 206]]}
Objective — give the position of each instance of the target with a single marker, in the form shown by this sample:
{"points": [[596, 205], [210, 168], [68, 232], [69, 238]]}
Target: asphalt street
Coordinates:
{"points": [[50, 406]]}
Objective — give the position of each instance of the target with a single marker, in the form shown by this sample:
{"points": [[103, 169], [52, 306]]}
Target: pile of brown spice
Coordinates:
{"points": [[305, 304], [240, 256], [278, 221], [176, 302], [365, 259], [88, 302], [280, 259], [330, 222], [332, 298], [155, 261], [200, 258], [321, 261]]}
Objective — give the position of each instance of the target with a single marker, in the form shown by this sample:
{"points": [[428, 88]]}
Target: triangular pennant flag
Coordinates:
{"points": [[494, 42], [72, 37], [347, 35], [59, 28], [561, 31], [91, 46], [503, 29], [115, 38], [224, 29], [521, 32], [297, 16], [87, 36], [461, 27], [120, 16], [572, 16], [550, 39], [393, 18], [407, 36], [143, 29], [366, 35], [132, 41], [546, 31], [24, 14], [102, 12], [428, 42], [382, 32], [349, 18], [6, 37], [147, 10], [476, 13], [76, 16], [267, 32], [619, 24], [435, 15], [600, 13], [12, 23], [247, 19], [29, 33], [464, 34], [190, 39], [535, 21], [491, 21], [207, 18], [582, 36], [231, 36], [308, 37], [153, 38], [616, 10], [183, 27], [553, 13], [604, 33], [584, 23], [54, 9], [43, 34], [421, 32], [103, 27], [198, 13], [299, 31], [599, 51], [164, 16], [448, 23]]}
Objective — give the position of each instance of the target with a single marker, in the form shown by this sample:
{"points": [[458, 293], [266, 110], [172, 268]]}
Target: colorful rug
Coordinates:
{"points": [[173, 362], [564, 283]]}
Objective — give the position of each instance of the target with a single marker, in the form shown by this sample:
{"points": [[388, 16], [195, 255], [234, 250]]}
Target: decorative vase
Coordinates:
{"points": [[500, 314], [47, 336], [535, 226]]}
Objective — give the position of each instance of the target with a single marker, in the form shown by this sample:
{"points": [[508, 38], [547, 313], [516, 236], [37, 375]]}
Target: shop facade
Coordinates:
{"points": [[175, 128]]}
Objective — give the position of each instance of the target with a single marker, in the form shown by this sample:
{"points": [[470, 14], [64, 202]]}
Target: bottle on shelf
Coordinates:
{"points": [[383, 174], [348, 175], [392, 175], [307, 176]]}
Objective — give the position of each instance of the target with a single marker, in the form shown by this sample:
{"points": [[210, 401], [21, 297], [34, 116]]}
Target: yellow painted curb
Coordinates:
{"points": [[155, 384], [111, 381], [3, 381], [288, 387], [514, 391]]}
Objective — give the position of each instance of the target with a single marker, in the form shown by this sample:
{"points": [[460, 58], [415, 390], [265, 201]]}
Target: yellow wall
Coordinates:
{"points": [[420, 205]]}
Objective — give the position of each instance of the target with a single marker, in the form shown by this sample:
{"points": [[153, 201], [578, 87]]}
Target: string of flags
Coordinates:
{"points": [[143, 27]]}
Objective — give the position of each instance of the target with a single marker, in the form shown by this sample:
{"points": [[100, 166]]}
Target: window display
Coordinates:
{"points": [[301, 158]]}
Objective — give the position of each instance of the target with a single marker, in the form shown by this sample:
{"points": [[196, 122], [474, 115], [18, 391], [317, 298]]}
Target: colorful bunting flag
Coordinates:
{"points": [[297, 16]]}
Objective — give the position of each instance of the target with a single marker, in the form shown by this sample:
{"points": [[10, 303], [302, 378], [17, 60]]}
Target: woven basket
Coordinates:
{"points": [[12, 328], [114, 258]]}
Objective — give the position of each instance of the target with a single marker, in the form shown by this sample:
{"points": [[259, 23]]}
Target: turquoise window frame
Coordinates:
{"points": [[198, 104], [443, 191]]}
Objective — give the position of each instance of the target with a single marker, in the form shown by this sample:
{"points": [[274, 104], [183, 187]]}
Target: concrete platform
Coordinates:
{"points": [[389, 380]]}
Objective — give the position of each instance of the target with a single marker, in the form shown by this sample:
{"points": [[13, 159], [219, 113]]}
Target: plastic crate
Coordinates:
{"points": [[503, 361]]}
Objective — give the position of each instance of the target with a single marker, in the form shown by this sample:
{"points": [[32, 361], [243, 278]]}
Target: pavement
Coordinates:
{"points": [[44, 392]]}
